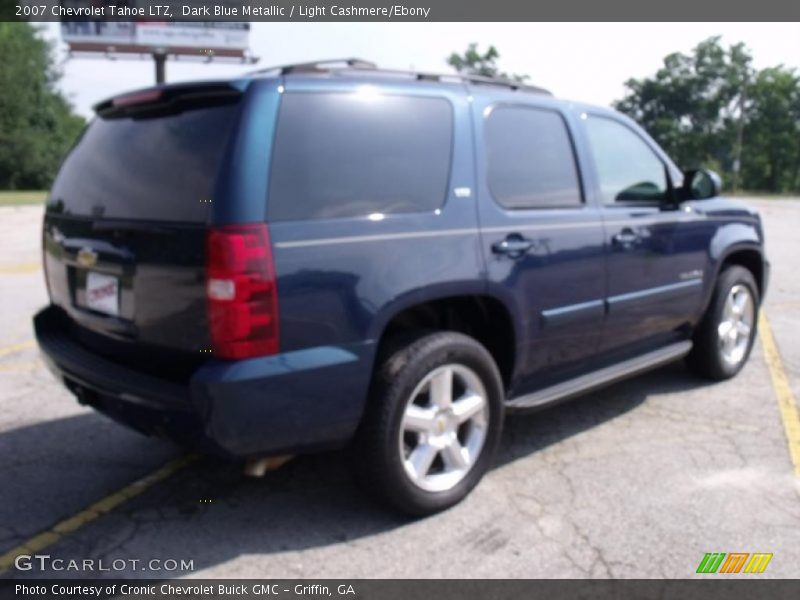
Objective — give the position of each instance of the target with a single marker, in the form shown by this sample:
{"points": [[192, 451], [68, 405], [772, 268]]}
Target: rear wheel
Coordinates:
{"points": [[725, 336], [432, 424]]}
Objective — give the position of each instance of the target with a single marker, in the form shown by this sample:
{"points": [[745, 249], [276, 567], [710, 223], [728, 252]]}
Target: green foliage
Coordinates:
{"points": [[37, 125], [772, 131], [472, 62], [695, 104]]}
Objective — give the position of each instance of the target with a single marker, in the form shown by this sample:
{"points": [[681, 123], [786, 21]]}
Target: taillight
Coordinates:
{"points": [[240, 287]]}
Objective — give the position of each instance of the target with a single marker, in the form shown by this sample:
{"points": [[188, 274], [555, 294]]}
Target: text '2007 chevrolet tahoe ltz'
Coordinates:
{"points": [[318, 256]]}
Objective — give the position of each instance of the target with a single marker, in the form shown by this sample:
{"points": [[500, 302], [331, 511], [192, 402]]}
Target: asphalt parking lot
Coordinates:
{"points": [[638, 480]]}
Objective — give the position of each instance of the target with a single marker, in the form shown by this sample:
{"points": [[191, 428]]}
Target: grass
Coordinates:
{"points": [[22, 198], [765, 195], [33, 197]]}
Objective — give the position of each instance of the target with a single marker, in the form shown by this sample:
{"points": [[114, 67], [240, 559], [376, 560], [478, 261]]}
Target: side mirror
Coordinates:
{"points": [[700, 184]]}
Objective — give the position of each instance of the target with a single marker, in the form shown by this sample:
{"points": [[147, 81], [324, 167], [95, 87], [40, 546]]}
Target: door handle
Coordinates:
{"points": [[626, 238], [514, 246]]}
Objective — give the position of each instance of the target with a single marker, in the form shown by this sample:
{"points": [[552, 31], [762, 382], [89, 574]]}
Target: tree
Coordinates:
{"points": [[472, 62], [772, 131], [697, 104], [692, 102], [37, 124]]}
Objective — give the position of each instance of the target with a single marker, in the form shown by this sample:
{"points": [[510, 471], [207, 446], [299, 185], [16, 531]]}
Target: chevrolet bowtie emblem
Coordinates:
{"points": [[87, 257]]}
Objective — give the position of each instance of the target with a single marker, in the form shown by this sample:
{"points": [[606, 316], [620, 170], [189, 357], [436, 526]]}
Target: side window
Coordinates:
{"points": [[531, 163], [348, 155], [627, 168]]}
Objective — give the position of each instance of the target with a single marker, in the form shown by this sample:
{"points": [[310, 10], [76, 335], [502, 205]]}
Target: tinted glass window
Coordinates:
{"points": [[347, 155], [531, 163], [627, 168], [159, 168]]}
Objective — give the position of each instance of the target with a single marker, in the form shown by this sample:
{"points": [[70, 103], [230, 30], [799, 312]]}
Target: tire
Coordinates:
{"points": [[720, 351], [408, 411]]}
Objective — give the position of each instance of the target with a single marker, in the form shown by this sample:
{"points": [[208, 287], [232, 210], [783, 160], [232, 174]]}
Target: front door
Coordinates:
{"points": [[656, 249]]}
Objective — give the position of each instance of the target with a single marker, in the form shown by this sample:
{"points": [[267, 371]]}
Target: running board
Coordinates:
{"points": [[605, 376]]}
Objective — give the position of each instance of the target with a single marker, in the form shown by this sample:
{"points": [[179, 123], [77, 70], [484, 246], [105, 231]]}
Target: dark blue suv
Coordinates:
{"points": [[322, 255]]}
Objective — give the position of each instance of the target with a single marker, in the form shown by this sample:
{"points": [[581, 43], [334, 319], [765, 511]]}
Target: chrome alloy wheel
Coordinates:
{"points": [[444, 427], [737, 322]]}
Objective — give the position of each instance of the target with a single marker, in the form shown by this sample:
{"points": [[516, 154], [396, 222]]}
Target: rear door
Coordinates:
{"points": [[657, 250], [542, 242], [363, 208], [125, 224]]}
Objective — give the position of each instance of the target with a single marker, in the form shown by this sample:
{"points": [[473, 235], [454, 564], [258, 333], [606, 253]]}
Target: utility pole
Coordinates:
{"points": [[160, 59], [737, 153]]}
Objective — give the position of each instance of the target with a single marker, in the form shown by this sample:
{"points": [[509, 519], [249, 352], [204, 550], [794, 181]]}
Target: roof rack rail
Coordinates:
{"points": [[502, 81], [480, 80], [364, 66], [319, 66]]}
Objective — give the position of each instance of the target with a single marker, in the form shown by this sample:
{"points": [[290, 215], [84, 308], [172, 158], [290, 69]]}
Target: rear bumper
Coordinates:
{"points": [[293, 402]]}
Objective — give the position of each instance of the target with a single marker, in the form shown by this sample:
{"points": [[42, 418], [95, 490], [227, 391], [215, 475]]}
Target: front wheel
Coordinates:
{"points": [[725, 336], [432, 423]]}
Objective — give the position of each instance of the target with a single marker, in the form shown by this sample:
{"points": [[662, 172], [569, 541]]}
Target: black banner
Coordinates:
{"points": [[399, 10], [715, 586]]}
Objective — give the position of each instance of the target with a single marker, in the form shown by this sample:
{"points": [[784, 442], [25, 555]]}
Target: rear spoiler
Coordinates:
{"points": [[168, 99]]}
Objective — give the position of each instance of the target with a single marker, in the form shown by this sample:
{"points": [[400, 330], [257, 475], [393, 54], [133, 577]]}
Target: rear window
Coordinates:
{"points": [[348, 155], [160, 168]]}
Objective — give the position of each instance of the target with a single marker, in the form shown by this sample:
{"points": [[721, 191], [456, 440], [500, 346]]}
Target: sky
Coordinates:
{"points": [[589, 62]]}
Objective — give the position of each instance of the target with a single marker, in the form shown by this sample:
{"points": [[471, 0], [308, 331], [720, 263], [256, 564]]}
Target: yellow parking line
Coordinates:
{"points": [[18, 365], [96, 510], [20, 268], [14, 348], [786, 401]]}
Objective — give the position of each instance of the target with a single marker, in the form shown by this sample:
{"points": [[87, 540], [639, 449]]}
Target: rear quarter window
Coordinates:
{"points": [[342, 155]]}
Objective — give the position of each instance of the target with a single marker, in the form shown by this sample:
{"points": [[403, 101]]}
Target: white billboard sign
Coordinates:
{"points": [[193, 35]]}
